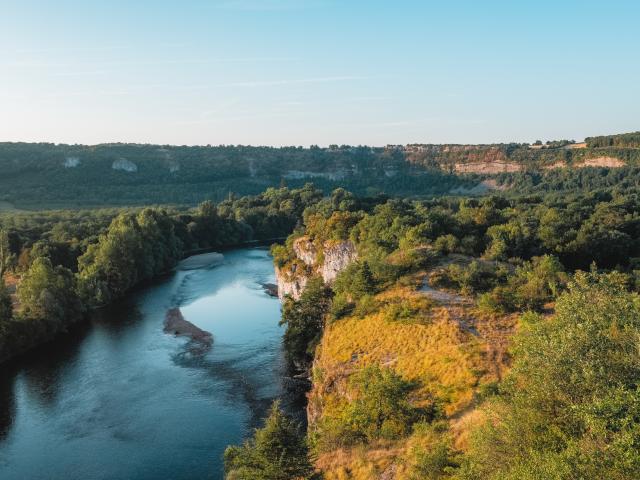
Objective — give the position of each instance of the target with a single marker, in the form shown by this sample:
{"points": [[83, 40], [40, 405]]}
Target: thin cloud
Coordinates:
{"points": [[80, 73], [120, 63], [401, 123], [273, 83], [233, 118], [105, 48], [266, 5]]}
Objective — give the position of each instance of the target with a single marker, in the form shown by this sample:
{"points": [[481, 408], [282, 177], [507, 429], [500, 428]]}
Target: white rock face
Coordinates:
{"points": [[124, 165], [336, 257], [299, 174], [71, 162], [305, 250], [290, 285]]}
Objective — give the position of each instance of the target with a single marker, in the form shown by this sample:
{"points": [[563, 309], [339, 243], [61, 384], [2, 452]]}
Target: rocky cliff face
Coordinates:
{"points": [[334, 257], [290, 282]]}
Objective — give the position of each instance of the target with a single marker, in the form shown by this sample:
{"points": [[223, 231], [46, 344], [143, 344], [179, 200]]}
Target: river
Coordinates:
{"points": [[119, 399]]}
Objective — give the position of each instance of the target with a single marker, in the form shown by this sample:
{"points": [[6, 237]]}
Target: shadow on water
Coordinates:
{"points": [[240, 383], [245, 383], [42, 369], [117, 398], [7, 404]]}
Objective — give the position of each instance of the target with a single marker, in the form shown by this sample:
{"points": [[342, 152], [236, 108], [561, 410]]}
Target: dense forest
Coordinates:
{"points": [[624, 140], [65, 263], [469, 337], [48, 176], [61, 176], [491, 338]]}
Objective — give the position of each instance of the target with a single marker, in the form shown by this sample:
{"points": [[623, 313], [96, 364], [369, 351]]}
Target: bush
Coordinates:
{"points": [[379, 409], [570, 406], [446, 244], [431, 455], [533, 285], [278, 451], [467, 279], [304, 319]]}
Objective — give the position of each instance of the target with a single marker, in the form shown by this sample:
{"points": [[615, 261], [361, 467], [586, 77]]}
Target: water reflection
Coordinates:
{"points": [[7, 404], [119, 399]]}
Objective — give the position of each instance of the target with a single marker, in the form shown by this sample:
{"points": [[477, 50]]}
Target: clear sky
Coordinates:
{"points": [[300, 72]]}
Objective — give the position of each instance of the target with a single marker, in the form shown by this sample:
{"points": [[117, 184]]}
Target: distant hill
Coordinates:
{"points": [[44, 175]]}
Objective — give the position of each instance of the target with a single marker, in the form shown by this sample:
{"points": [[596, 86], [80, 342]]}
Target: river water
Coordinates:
{"points": [[119, 399]]}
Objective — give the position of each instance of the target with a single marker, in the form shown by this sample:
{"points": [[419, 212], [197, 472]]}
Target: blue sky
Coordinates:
{"points": [[300, 72]]}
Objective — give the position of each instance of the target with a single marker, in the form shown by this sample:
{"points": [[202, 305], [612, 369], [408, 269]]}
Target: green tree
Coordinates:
{"points": [[355, 281], [6, 308], [304, 320], [278, 451], [47, 292], [570, 407], [7, 258], [381, 408]]}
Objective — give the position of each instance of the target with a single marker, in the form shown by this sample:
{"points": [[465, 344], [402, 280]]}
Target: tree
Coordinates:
{"points": [[304, 319], [571, 404], [6, 308], [278, 451], [355, 281], [48, 292], [7, 257], [381, 408]]}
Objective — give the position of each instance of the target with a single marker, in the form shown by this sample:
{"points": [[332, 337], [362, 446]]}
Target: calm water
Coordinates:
{"points": [[119, 399]]}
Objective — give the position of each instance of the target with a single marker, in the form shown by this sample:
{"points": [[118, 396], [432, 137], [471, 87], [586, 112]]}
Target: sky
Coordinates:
{"points": [[302, 72]]}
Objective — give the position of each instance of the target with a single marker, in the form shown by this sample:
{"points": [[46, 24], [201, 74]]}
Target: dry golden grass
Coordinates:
{"points": [[432, 350], [385, 459], [360, 463], [462, 426]]}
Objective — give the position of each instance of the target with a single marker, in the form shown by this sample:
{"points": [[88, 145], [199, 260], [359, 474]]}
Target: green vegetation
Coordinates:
{"points": [[68, 262], [48, 293], [623, 140], [380, 409], [6, 309], [278, 451], [44, 175], [304, 321], [7, 258], [428, 382], [570, 405], [437, 386]]}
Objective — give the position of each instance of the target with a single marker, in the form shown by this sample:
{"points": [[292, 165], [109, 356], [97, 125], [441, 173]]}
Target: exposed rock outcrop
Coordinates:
{"points": [[270, 289], [291, 283], [124, 165], [489, 167], [609, 162], [334, 257], [71, 162]]}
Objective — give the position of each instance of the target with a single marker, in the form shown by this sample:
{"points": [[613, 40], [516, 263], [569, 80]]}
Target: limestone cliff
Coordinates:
{"points": [[327, 262]]}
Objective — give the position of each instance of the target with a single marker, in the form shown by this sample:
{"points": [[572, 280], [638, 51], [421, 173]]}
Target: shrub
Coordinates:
{"points": [[278, 451], [570, 407], [380, 409], [304, 319]]}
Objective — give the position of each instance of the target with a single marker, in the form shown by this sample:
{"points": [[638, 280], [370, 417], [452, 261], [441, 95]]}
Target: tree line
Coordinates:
{"points": [[61, 274], [568, 405]]}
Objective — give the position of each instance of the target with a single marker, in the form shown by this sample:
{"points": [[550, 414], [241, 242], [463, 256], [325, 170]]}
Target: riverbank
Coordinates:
{"points": [[22, 335], [118, 396]]}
